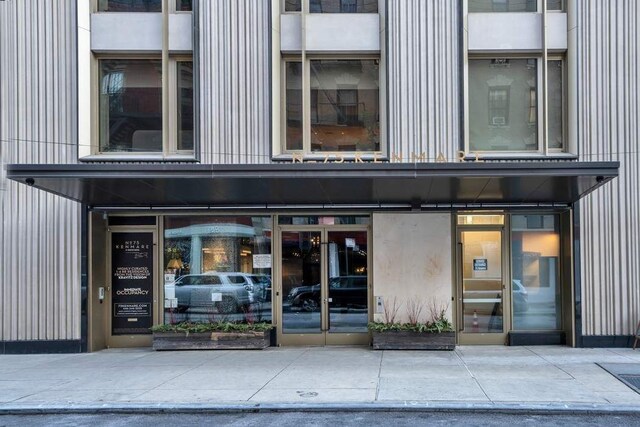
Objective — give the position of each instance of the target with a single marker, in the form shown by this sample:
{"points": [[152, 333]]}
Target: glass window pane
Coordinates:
{"points": [[343, 6], [503, 5], [324, 220], [185, 106], [294, 105], [555, 104], [292, 5], [554, 5], [345, 106], [184, 5], [130, 5], [535, 270], [130, 105], [217, 268], [482, 219], [503, 105]]}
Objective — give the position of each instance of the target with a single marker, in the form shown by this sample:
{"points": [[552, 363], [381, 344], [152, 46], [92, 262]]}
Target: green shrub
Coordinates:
{"points": [[196, 327]]}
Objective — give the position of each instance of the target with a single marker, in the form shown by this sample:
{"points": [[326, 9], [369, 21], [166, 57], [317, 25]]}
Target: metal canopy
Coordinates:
{"points": [[318, 185]]}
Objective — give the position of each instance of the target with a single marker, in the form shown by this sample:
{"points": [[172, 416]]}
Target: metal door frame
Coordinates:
{"points": [[493, 337], [323, 337]]}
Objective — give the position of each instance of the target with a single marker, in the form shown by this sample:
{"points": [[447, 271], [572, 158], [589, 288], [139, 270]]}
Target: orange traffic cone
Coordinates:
{"points": [[475, 321]]}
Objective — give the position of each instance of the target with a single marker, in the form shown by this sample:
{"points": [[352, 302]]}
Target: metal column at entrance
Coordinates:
{"points": [[323, 288]]}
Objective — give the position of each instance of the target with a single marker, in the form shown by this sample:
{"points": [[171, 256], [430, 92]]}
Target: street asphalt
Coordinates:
{"points": [[493, 379]]}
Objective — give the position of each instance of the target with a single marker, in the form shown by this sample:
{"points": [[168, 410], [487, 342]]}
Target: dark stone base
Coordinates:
{"points": [[211, 340], [537, 338], [405, 340], [40, 347], [600, 341]]}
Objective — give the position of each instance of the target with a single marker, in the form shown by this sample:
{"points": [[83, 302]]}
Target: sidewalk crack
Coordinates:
{"points": [[379, 377], [473, 376], [279, 372]]}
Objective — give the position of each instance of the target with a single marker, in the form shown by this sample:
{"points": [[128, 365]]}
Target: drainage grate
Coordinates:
{"points": [[632, 381]]}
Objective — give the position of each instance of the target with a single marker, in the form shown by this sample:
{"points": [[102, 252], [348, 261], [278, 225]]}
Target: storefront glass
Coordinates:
{"points": [[217, 269], [535, 272]]}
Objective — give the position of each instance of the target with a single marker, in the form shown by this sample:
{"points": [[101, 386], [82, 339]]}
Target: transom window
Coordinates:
{"points": [[140, 5], [492, 6]]}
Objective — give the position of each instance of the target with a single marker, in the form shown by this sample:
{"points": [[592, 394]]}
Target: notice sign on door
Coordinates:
{"points": [[132, 283], [480, 264]]}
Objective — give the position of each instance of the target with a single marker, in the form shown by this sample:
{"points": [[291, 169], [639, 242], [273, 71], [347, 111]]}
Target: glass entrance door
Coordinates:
{"points": [[324, 296], [481, 291]]}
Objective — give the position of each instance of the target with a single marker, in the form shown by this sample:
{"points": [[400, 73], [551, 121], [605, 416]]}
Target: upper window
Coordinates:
{"points": [[140, 5], [333, 6], [130, 5], [512, 5], [503, 5], [504, 112], [343, 105], [131, 107]]}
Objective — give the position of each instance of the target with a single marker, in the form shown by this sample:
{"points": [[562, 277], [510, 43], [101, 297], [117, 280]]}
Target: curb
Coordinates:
{"points": [[406, 406]]}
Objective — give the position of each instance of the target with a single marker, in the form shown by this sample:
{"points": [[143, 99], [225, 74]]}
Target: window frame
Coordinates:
{"points": [[542, 140], [306, 150], [170, 147]]}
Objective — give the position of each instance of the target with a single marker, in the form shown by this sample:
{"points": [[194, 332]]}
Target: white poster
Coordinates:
{"points": [[262, 261]]}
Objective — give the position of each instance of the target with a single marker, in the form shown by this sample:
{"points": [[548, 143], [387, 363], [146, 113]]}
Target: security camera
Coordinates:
{"points": [[30, 182]]}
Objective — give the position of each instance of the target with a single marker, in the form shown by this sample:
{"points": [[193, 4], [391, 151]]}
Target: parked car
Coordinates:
{"points": [[344, 291], [520, 296], [229, 290]]}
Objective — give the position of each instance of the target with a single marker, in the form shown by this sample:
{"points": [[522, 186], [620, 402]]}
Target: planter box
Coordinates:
{"points": [[211, 340], [407, 340]]}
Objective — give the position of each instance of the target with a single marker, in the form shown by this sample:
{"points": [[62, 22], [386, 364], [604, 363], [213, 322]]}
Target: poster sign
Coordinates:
{"points": [[262, 261], [349, 242], [480, 264], [132, 283]]}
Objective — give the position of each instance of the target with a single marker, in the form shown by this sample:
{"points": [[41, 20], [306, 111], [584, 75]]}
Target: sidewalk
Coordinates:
{"points": [[320, 378]]}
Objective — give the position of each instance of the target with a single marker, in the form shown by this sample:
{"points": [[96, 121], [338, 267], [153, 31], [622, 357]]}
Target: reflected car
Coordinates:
{"points": [[223, 291], [520, 296], [344, 291]]}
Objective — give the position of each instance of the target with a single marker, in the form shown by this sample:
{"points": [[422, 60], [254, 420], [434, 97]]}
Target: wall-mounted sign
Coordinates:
{"points": [[132, 283], [349, 242], [480, 264], [262, 261]]}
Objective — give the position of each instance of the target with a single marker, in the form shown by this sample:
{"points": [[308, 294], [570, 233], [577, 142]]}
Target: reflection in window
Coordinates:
{"points": [[184, 5], [130, 105], [535, 270], [555, 102], [554, 5], [347, 110], [130, 5], [499, 106], [294, 105], [503, 5], [510, 86], [334, 6], [217, 268], [185, 105]]}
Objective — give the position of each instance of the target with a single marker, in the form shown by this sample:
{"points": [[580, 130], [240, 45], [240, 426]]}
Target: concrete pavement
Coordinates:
{"points": [[502, 378]]}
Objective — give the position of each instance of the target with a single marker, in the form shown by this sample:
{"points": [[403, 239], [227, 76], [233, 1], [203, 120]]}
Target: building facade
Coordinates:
{"points": [[314, 163]]}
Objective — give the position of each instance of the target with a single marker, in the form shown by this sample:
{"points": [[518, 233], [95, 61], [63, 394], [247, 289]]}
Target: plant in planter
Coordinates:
{"points": [[220, 335], [436, 333]]}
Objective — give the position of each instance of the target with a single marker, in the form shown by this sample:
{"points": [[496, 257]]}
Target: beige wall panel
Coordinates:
{"points": [[423, 78], [39, 232], [608, 122], [412, 260], [235, 82]]}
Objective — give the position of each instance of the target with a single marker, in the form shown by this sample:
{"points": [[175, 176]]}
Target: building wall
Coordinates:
{"points": [[234, 53], [423, 79], [39, 232], [409, 263], [608, 111]]}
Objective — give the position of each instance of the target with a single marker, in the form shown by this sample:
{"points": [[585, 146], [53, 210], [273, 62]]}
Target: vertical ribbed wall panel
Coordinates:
{"points": [[423, 77], [609, 116], [39, 232], [235, 104]]}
